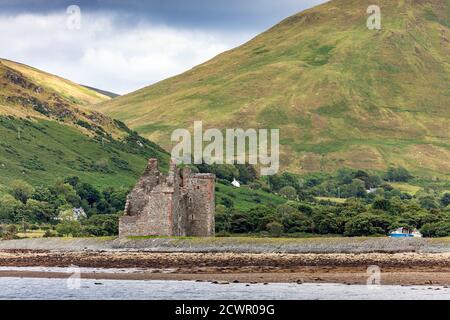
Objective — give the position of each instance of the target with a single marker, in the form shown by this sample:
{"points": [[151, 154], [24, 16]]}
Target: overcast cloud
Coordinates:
{"points": [[125, 45]]}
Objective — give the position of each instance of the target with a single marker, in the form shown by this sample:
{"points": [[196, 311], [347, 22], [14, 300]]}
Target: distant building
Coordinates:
{"points": [[178, 204], [78, 214]]}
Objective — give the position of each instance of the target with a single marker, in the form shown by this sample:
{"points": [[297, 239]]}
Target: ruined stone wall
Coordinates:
{"points": [[178, 210], [202, 205], [154, 219], [138, 199], [147, 212], [179, 204]]}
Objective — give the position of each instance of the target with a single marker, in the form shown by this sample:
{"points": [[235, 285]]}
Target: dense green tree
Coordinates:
{"points": [[363, 176], [116, 198], [88, 192], [329, 224], [261, 216], [438, 229], [43, 194], [21, 190], [70, 228], [39, 212], [368, 223], [382, 204], [429, 202], [241, 222], [445, 200], [296, 222], [398, 175], [226, 201], [73, 181], [278, 182], [223, 219], [224, 172], [102, 225], [275, 229], [9, 207], [345, 176], [357, 188], [247, 173]]}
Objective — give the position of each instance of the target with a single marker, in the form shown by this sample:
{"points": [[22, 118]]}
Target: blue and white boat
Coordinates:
{"points": [[405, 233]]}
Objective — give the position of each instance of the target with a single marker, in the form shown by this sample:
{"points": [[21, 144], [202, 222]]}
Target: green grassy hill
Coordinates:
{"points": [[341, 94], [71, 91], [48, 133]]}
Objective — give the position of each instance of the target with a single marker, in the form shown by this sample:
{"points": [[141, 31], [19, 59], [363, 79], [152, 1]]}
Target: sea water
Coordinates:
{"points": [[56, 289]]}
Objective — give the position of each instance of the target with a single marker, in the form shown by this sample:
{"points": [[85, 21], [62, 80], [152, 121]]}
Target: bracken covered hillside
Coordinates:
{"points": [[342, 95]]}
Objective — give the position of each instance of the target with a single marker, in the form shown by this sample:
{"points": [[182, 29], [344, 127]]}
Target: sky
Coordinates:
{"points": [[122, 46]]}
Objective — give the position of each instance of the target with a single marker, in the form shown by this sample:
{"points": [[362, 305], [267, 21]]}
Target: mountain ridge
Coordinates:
{"points": [[342, 95]]}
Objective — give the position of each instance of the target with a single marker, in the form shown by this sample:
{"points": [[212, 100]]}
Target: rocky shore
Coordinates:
{"points": [[236, 245], [412, 262]]}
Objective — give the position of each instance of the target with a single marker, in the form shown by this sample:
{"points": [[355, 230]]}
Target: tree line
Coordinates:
{"points": [[348, 202]]}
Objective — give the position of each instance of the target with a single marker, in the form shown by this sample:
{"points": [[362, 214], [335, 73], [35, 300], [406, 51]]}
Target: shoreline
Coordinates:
{"points": [[347, 277], [396, 269]]}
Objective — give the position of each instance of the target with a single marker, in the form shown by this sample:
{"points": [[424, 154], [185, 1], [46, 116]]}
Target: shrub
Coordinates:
{"points": [[445, 201], [438, 229], [10, 232], [275, 229], [241, 222], [398, 175], [226, 201], [50, 234], [21, 190], [70, 228], [288, 193], [255, 186], [102, 225], [368, 224]]}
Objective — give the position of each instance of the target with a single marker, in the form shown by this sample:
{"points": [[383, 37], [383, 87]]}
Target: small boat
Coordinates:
{"points": [[405, 233]]}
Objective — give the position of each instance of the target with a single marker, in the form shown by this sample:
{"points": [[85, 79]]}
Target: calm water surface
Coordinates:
{"points": [[51, 289]]}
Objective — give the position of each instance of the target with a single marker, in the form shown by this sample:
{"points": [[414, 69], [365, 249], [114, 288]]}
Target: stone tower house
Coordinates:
{"points": [[178, 204]]}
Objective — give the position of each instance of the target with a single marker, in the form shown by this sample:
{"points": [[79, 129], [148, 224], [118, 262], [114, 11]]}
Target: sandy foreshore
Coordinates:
{"points": [[396, 268]]}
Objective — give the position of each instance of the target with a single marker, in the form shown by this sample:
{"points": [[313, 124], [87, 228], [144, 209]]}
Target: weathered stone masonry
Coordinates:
{"points": [[178, 204]]}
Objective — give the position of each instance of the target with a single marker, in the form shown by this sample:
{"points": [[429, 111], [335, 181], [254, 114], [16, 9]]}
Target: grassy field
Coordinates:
{"points": [[31, 234], [408, 188], [341, 94], [48, 151], [336, 200], [245, 198]]}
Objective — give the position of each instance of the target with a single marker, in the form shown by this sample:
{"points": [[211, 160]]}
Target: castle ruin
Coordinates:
{"points": [[178, 204]]}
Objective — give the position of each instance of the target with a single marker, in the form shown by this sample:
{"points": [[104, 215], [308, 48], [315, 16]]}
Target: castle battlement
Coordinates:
{"points": [[177, 204]]}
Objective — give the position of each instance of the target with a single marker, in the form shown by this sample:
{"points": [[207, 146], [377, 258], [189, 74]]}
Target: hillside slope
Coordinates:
{"points": [[48, 133], [73, 92], [342, 95]]}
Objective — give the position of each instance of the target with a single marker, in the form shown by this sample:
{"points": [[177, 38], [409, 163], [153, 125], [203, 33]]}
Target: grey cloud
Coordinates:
{"points": [[145, 40], [231, 14]]}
